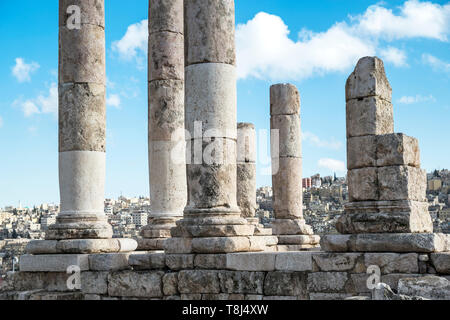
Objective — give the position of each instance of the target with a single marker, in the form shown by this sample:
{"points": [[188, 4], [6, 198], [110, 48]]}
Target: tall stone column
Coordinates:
{"points": [[289, 225], [246, 171], [246, 182], [388, 210], [166, 138], [212, 220], [81, 226]]}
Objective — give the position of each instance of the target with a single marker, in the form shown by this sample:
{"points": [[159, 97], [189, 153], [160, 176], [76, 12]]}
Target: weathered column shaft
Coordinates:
{"points": [[289, 223], [82, 123], [212, 220], [166, 139], [246, 170]]}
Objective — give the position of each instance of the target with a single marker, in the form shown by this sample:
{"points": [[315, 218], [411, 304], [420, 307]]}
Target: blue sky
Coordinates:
{"points": [[312, 44]]}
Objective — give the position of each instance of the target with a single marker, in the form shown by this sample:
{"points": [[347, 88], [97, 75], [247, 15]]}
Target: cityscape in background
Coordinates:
{"points": [[323, 203]]}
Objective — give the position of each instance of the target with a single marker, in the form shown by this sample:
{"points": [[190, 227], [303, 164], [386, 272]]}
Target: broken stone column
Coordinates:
{"points": [[81, 226], [212, 220], [246, 180], [387, 187], [289, 225], [166, 139]]}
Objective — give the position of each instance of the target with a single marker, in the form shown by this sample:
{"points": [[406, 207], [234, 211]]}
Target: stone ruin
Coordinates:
{"points": [[203, 241]]}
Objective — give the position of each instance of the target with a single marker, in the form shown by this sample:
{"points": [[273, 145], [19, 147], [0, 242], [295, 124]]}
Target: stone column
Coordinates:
{"points": [[246, 182], [246, 171], [166, 138], [212, 220], [387, 189], [81, 226], [289, 224], [82, 124]]}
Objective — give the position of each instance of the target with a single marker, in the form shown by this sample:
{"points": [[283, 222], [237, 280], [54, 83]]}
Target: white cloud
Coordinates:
{"points": [[264, 49], [1, 122], [396, 56], [316, 141], [134, 41], [417, 99], [113, 101], [332, 164], [22, 71], [29, 108], [41, 104], [415, 20], [435, 63]]}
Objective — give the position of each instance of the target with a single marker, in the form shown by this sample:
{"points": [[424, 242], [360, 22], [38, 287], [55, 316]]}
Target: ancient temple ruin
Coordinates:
{"points": [[203, 241]]}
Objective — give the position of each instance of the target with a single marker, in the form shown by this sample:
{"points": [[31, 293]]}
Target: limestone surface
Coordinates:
{"points": [[166, 60], [82, 117], [369, 116], [368, 79], [210, 28], [82, 55], [166, 15]]}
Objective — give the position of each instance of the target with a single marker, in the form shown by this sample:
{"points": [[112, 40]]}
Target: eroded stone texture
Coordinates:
{"points": [[430, 287], [166, 110], [369, 116], [198, 281], [82, 55], [82, 117], [135, 284], [385, 217], [166, 15], [385, 242], [397, 149], [210, 27], [284, 100], [246, 189], [280, 283], [363, 184], [287, 188], [402, 183], [166, 59], [361, 152], [290, 140], [368, 79], [212, 186]]}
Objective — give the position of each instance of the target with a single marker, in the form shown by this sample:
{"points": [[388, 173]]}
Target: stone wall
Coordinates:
{"points": [[236, 276]]}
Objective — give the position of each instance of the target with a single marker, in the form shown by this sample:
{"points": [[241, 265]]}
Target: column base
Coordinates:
{"points": [[403, 216], [291, 227], [80, 226], [387, 242], [80, 246]]}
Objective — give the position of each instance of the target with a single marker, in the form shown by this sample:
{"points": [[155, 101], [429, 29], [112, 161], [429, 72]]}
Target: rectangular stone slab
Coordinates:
{"points": [[402, 183], [385, 217], [385, 242], [363, 184], [397, 149], [369, 116], [361, 152], [53, 263]]}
